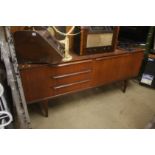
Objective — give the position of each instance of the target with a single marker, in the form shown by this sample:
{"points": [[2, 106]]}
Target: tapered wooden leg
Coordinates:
{"points": [[44, 107], [125, 82]]}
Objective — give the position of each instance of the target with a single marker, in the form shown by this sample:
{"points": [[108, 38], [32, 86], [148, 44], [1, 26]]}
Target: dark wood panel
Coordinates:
{"points": [[111, 69], [36, 83], [136, 63], [36, 47]]}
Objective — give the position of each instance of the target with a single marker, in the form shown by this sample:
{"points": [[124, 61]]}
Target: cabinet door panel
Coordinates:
{"points": [[110, 69], [137, 59], [36, 83]]}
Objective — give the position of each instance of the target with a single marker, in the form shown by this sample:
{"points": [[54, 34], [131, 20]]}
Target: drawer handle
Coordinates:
{"points": [[73, 63], [71, 74], [71, 84]]}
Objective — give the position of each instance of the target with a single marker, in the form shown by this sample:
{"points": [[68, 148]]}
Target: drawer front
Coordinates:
{"points": [[71, 87], [71, 78], [72, 67]]}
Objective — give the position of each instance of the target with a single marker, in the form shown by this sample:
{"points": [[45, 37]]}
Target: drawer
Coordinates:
{"points": [[71, 87], [72, 67], [72, 77]]}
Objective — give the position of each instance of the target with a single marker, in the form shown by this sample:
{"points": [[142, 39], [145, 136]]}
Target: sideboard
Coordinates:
{"points": [[42, 82]]}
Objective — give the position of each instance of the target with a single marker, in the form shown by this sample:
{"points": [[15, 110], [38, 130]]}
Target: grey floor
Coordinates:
{"points": [[105, 108]]}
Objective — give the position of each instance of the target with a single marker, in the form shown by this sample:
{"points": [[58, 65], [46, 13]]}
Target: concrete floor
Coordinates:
{"points": [[104, 107]]}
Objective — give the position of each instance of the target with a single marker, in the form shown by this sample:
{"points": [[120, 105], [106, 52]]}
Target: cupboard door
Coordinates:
{"points": [[137, 59], [37, 83], [110, 69]]}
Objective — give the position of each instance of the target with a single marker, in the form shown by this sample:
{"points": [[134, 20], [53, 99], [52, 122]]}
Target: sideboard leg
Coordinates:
{"points": [[44, 107], [125, 82]]}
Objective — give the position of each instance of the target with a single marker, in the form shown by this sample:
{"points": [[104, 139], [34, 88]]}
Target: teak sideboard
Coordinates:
{"points": [[42, 82]]}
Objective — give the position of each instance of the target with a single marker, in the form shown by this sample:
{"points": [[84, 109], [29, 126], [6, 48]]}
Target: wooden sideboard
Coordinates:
{"points": [[42, 82]]}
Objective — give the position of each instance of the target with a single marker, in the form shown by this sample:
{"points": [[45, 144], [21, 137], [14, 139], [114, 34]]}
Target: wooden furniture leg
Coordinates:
{"points": [[44, 107], [125, 82]]}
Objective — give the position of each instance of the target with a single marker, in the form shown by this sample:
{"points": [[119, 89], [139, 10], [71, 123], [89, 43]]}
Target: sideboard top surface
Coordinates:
{"points": [[76, 57]]}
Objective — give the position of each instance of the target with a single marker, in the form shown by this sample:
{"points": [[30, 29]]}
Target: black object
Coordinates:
{"points": [[148, 76], [131, 37], [134, 33]]}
